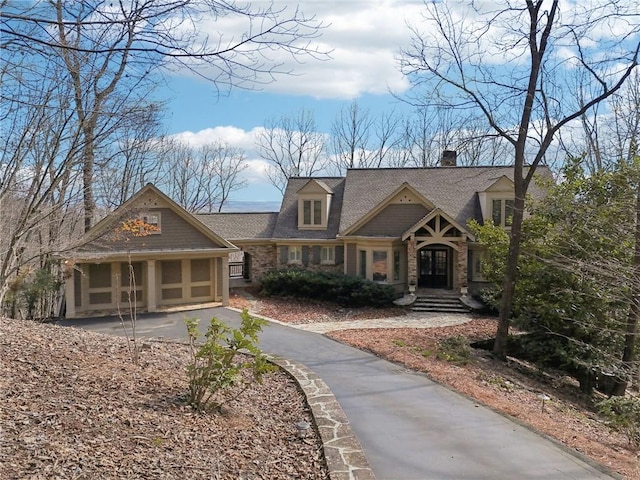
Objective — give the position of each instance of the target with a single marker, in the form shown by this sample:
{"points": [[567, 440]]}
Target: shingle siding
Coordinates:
{"points": [[393, 220], [175, 233]]}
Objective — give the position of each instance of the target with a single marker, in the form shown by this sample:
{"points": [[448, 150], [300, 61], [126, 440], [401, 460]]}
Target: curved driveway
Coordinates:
{"points": [[409, 427]]}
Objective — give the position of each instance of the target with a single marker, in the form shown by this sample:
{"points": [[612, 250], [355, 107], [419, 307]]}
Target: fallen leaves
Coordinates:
{"points": [[73, 405]]}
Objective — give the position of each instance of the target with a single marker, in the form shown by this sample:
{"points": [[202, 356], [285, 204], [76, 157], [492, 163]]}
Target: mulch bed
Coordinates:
{"points": [[73, 405]]}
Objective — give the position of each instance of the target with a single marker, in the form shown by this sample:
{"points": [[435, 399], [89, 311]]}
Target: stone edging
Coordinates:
{"points": [[344, 455], [342, 451]]}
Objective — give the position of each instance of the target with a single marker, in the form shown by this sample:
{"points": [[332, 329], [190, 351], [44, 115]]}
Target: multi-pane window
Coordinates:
{"points": [[502, 212], [327, 255], [379, 263], [151, 223], [295, 254], [396, 265], [312, 212]]}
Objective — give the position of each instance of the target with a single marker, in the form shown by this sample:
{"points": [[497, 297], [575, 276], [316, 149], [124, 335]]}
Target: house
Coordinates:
{"points": [[405, 227], [150, 253]]}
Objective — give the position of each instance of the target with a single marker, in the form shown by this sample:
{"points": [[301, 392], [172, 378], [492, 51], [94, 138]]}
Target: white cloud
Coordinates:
{"points": [[256, 171], [363, 36], [230, 135]]}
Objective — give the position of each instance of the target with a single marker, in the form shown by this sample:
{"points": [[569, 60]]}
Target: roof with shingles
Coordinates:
{"points": [[240, 226], [452, 189], [287, 223]]}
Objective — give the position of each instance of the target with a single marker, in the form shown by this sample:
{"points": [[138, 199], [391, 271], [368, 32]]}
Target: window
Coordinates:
{"points": [[502, 212], [379, 266], [477, 259], [396, 265], [508, 213], [327, 255], [363, 263], [312, 212], [295, 254], [151, 223]]}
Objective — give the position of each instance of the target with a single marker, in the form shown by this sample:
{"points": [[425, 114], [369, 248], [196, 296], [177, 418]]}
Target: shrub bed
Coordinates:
{"points": [[345, 290]]}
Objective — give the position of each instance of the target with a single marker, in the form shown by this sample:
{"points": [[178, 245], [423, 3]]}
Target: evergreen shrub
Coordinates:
{"points": [[347, 291]]}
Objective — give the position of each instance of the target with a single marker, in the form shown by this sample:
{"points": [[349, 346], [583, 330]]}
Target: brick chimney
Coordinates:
{"points": [[449, 158]]}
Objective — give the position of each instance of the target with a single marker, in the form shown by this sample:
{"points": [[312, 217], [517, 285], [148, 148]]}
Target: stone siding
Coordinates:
{"points": [[412, 262], [263, 259], [462, 266]]}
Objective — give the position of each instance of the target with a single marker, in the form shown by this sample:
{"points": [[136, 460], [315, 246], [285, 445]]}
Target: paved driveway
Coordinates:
{"points": [[410, 427]]}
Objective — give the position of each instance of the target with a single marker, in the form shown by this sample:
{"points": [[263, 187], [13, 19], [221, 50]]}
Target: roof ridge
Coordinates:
{"points": [[235, 213], [458, 167]]}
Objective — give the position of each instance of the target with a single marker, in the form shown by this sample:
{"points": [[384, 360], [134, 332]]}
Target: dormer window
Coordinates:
{"points": [[311, 212], [314, 201], [502, 212]]}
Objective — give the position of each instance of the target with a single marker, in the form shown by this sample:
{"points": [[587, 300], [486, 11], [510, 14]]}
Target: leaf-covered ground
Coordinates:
{"points": [[73, 405], [513, 388]]}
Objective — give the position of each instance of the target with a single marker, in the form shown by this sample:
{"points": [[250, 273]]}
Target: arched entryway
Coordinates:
{"points": [[435, 266]]}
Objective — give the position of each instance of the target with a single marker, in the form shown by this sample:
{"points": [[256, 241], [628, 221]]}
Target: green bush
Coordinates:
{"points": [[454, 349], [623, 413], [214, 374], [345, 290]]}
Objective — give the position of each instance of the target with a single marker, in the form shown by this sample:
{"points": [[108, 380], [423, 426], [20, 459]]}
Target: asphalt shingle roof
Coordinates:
{"points": [[453, 189], [240, 226], [287, 224]]}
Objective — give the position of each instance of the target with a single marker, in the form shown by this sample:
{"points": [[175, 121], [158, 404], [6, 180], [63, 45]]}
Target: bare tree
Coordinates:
{"points": [[129, 161], [360, 139], [120, 48], [293, 147], [350, 137], [38, 181], [525, 98], [609, 134], [199, 179]]}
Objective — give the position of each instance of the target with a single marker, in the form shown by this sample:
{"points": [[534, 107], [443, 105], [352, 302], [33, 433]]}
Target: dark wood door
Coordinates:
{"points": [[434, 268]]}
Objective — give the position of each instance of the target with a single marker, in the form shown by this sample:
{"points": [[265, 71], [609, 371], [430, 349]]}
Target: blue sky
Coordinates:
{"points": [[364, 37]]}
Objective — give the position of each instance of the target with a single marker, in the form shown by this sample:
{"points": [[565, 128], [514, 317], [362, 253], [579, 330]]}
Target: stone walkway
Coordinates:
{"points": [[412, 320]]}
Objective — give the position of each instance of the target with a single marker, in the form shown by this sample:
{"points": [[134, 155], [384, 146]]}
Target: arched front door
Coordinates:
{"points": [[434, 267]]}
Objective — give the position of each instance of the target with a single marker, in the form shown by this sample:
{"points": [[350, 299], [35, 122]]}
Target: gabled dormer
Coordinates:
{"points": [[496, 202], [314, 202]]}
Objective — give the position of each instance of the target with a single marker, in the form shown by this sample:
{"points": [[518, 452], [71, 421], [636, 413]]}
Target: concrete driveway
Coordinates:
{"points": [[409, 427]]}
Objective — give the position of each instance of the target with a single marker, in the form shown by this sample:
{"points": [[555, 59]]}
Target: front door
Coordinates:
{"points": [[434, 268]]}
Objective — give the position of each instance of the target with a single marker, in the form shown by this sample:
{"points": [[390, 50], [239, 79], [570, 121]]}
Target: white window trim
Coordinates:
{"points": [[153, 219], [297, 258], [331, 256], [503, 208], [323, 213]]}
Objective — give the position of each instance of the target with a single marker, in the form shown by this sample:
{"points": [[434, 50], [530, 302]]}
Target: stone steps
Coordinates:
{"points": [[430, 303]]}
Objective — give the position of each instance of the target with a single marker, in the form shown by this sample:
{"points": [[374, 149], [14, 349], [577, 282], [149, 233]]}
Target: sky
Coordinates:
{"points": [[364, 37]]}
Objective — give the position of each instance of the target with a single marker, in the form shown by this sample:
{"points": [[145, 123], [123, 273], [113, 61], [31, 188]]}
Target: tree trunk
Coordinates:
{"points": [[509, 285], [89, 202], [628, 355]]}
